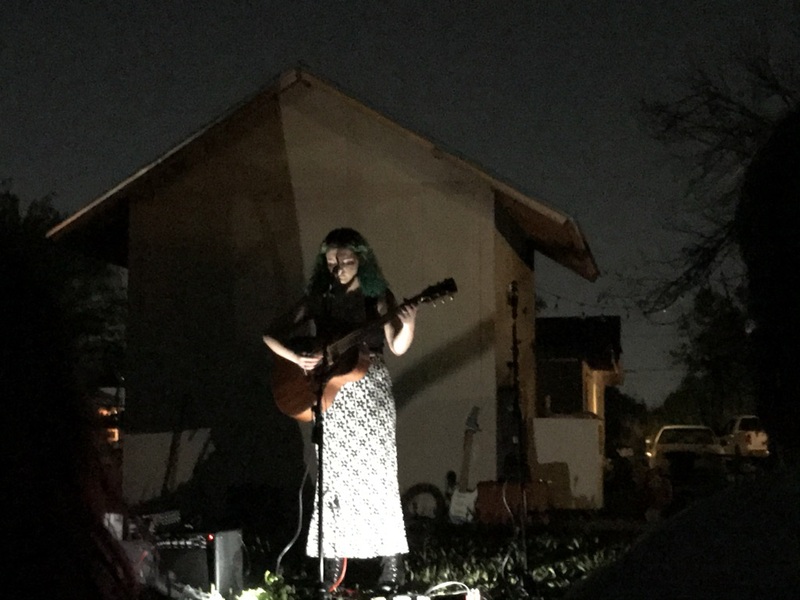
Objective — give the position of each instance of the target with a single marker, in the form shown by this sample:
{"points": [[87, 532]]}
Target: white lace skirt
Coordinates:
{"points": [[362, 515]]}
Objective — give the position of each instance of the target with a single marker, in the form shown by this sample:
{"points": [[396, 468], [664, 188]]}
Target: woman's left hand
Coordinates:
{"points": [[407, 314], [400, 340]]}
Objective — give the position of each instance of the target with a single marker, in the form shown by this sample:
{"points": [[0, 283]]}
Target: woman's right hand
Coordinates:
{"points": [[307, 362]]}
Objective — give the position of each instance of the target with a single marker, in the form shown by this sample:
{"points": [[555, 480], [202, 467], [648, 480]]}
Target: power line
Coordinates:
{"points": [[592, 307]]}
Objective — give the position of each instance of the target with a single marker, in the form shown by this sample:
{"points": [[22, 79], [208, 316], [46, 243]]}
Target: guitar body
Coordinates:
{"points": [[296, 391], [462, 506]]}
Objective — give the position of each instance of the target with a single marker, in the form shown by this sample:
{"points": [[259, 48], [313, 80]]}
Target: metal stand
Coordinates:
{"points": [[317, 436], [522, 460]]}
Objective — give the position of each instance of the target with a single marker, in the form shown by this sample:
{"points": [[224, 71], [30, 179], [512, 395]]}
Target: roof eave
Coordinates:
{"points": [[567, 247]]}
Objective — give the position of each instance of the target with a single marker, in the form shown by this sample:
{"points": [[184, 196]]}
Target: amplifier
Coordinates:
{"points": [[201, 560]]}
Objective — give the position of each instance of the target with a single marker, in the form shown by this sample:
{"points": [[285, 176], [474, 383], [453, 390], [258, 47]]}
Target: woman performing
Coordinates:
{"points": [[362, 514]]}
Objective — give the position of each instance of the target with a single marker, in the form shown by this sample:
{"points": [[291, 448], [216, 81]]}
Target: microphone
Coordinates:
{"points": [[334, 277]]}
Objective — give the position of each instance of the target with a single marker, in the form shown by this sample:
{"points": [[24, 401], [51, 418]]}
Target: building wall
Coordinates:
{"points": [[571, 461], [214, 255], [427, 220], [562, 385], [223, 241]]}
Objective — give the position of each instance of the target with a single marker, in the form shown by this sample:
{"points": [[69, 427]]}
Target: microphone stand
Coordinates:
{"points": [[317, 438], [522, 460]]}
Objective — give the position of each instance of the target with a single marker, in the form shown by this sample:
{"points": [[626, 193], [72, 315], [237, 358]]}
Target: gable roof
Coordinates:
{"points": [[101, 228]]}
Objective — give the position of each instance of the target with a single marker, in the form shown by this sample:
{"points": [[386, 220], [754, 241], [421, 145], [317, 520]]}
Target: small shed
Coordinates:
{"points": [[218, 235]]}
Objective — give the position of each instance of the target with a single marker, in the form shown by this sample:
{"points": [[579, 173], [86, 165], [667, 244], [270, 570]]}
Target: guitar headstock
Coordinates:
{"points": [[472, 420], [444, 289]]}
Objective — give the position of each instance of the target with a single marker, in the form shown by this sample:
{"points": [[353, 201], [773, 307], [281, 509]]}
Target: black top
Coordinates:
{"points": [[334, 315]]}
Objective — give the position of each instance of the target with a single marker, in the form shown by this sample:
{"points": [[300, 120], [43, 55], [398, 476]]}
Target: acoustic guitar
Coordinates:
{"points": [[343, 360]]}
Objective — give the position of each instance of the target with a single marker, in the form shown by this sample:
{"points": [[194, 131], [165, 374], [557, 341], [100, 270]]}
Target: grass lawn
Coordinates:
{"points": [[499, 561]]}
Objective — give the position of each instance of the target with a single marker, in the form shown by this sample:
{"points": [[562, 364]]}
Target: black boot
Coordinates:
{"points": [[393, 574], [332, 570]]}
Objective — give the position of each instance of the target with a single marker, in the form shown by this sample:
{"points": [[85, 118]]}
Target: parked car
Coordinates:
{"points": [[686, 443], [744, 436]]}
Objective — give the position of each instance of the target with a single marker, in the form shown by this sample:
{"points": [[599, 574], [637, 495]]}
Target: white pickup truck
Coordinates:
{"points": [[743, 436]]}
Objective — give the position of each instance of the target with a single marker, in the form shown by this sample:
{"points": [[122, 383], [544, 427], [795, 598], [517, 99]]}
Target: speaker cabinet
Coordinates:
{"points": [[201, 560]]}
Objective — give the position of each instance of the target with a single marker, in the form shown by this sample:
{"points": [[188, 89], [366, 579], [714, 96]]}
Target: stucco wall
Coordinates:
{"points": [[223, 239], [571, 458], [427, 220], [214, 255]]}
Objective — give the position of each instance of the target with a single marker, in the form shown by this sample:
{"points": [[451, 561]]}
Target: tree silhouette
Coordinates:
{"points": [[90, 294], [768, 221], [716, 352], [714, 130]]}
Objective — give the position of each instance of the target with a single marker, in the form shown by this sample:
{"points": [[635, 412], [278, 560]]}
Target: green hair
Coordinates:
{"points": [[373, 283]]}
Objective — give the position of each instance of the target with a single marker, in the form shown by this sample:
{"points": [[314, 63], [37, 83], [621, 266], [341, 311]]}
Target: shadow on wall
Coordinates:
{"points": [[248, 475], [446, 359], [227, 488]]}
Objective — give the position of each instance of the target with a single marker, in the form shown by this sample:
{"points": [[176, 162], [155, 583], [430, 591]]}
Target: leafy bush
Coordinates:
{"points": [[501, 564], [275, 588]]}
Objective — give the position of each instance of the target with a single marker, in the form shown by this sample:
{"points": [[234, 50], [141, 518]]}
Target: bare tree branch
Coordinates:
{"points": [[715, 128]]}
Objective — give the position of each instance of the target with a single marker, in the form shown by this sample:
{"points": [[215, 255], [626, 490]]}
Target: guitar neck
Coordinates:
{"points": [[463, 483], [429, 294], [353, 338]]}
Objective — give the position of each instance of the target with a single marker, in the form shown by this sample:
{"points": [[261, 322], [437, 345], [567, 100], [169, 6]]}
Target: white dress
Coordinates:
{"points": [[362, 516]]}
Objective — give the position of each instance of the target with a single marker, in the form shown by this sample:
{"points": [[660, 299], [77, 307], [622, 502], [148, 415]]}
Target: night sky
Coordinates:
{"points": [[542, 94]]}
